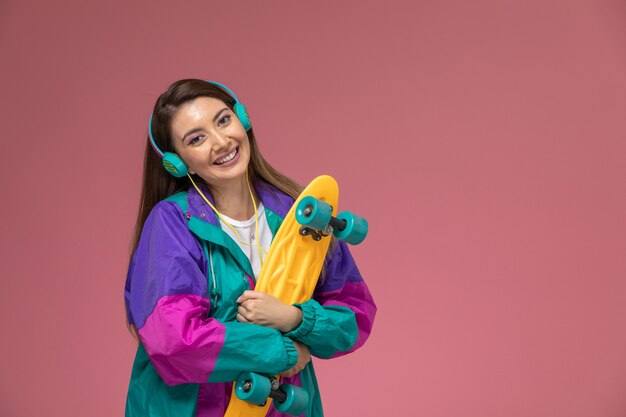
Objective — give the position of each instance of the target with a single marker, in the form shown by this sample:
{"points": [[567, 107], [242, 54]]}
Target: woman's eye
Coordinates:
{"points": [[224, 120], [194, 140]]}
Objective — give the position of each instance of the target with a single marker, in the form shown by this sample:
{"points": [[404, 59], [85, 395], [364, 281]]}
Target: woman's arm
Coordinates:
{"points": [[339, 317], [336, 321], [166, 295]]}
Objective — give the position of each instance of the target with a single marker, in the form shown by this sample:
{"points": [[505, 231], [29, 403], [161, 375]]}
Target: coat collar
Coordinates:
{"points": [[273, 199], [204, 223]]}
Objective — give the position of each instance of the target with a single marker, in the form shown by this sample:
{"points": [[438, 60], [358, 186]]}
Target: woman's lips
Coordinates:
{"points": [[229, 159]]}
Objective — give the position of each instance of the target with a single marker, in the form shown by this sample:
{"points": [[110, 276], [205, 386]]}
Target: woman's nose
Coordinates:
{"points": [[220, 141]]}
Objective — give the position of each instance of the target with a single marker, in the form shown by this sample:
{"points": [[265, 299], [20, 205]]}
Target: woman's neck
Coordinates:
{"points": [[234, 200]]}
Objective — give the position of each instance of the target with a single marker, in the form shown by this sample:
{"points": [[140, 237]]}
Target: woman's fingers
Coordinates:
{"points": [[293, 371], [248, 311], [304, 356], [250, 295], [263, 309], [243, 314]]}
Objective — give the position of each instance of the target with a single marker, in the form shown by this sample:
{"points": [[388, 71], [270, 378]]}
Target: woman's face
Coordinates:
{"points": [[211, 140]]}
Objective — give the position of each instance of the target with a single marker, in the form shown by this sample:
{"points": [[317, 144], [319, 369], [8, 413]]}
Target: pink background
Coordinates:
{"points": [[483, 140]]}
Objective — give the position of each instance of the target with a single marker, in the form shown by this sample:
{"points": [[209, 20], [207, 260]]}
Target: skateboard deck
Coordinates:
{"points": [[290, 270]]}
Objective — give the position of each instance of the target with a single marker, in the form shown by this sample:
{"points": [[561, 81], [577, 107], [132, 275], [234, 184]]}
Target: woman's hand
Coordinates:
{"points": [[260, 308], [304, 357]]}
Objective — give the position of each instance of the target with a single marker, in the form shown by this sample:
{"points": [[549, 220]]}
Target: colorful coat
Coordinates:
{"points": [[191, 345]]}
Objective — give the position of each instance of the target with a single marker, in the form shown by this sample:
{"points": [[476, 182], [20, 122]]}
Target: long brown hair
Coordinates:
{"points": [[158, 183]]}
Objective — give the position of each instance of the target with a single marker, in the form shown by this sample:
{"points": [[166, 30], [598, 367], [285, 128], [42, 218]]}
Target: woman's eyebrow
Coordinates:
{"points": [[218, 113], [194, 130], [197, 129]]}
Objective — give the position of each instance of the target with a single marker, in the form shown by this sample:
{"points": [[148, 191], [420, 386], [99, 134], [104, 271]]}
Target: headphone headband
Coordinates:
{"points": [[152, 141]]}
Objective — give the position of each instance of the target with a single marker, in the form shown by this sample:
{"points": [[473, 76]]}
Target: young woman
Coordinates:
{"points": [[204, 226]]}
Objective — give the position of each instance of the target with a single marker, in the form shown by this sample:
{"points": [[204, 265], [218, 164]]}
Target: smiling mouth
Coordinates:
{"points": [[228, 157]]}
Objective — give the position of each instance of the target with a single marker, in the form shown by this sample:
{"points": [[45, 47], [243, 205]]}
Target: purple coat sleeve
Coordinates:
{"points": [[166, 296], [339, 317]]}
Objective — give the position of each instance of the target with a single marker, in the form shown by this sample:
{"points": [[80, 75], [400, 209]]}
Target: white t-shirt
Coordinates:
{"points": [[246, 231]]}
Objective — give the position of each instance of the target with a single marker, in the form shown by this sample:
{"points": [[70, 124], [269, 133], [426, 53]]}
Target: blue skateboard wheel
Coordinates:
{"points": [[355, 231], [296, 402], [313, 213], [253, 388]]}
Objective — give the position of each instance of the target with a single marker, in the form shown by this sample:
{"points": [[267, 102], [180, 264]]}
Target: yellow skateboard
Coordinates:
{"points": [[290, 273]]}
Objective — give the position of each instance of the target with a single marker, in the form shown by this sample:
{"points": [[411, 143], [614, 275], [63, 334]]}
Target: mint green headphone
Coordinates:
{"points": [[172, 162]]}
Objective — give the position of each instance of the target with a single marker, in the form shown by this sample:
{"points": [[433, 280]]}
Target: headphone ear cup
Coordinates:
{"points": [[174, 165], [242, 114]]}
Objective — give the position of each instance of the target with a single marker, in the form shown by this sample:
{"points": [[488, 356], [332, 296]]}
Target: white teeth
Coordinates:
{"points": [[227, 158]]}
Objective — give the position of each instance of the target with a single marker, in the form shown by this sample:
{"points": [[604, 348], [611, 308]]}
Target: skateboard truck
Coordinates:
{"points": [[275, 392], [319, 234], [317, 221], [307, 231], [256, 389]]}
